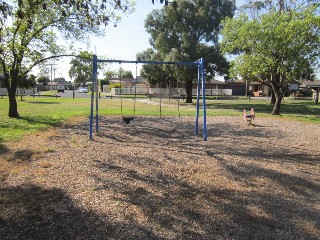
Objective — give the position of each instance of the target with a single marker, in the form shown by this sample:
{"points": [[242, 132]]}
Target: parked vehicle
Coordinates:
{"points": [[60, 88], [83, 90]]}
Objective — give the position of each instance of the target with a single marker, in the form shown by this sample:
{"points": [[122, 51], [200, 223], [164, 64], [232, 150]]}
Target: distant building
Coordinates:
{"points": [[54, 85], [238, 87], [315, 85], [128, 82], [2, 84]]}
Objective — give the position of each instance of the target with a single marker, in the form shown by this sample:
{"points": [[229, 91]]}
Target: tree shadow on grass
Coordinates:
{"points": [[304, 108], [51, 121], [43, 103], [31, 212]]}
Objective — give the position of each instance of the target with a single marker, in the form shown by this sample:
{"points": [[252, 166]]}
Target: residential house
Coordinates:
{"points": [[256, 89], [238, 87], [314, 85]]}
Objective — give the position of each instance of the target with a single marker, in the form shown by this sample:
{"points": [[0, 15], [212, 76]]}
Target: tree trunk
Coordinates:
{"points": [[13, 106], [188, 86], [273, 98], [278, 99]]}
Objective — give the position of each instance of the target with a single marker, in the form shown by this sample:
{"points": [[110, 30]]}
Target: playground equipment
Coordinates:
{"points": [[126, 119], [248, 117], [201, 82], [169, 83]]}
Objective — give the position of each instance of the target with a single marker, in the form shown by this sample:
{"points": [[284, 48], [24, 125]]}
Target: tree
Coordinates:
{"points": [[103, 82], [59, 80], [27, 83], [30, 28], [44, 80], [256, 7], [125, 73], [109, 74], [81, 68], [273, 48], [155, 73], [187, 30]]}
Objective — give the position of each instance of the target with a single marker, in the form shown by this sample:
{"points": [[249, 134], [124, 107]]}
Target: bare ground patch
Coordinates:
{"points": [[153, 179]]}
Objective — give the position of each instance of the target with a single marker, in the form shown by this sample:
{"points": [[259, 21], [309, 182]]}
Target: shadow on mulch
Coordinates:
{"points": [[30, 212], [162, 205], [21, 155], [3, 148], [194, 212]]}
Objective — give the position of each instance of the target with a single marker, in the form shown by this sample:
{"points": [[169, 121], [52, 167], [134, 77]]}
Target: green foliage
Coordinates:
{"points": [[27, 82], [125, 73], [186, 31], [118, 73], [29, 32], [154, 73], [109, 74], [81, 68], [115, 85], [44, 80], [256, 7], [273, 48]]}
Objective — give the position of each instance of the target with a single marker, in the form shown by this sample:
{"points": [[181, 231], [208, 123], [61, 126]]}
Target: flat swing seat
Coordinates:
{"points": [[127, 120]]}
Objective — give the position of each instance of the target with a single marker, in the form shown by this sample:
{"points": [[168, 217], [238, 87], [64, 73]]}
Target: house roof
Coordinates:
{"points": [[128, 81], [310, 84], [217, 82]]}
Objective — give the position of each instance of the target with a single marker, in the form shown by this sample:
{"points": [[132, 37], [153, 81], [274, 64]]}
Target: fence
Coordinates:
{"points": [[214, 92], [166, 91], [4, 91]]}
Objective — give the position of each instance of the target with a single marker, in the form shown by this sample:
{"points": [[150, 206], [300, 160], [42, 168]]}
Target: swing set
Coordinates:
{"points": [[127, 119]]}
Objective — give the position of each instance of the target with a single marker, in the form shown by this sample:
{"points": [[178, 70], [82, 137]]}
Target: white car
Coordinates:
{"points": [[83, 90]]}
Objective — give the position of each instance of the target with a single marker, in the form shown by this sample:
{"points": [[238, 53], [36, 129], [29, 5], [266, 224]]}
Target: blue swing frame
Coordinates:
{"points": [[201, 85]]}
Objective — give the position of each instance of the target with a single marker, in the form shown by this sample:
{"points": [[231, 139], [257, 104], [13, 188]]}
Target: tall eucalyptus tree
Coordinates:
{"points": [[187, 30]]}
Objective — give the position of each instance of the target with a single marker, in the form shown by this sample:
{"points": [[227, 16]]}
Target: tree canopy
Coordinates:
{"points": [[256, 7], [187, 30], [273, 48], [30, 30], [81, 68], [44, 80]]}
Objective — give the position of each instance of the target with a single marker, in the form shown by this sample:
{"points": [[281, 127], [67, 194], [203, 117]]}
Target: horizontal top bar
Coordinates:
{"points": [[150, 62]]}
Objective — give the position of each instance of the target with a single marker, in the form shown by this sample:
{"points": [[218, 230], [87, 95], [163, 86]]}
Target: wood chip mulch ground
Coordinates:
{"points": [[153, 179]]}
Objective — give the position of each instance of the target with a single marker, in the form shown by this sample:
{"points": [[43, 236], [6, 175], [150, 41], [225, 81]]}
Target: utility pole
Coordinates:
{"points": [[51, 68]]}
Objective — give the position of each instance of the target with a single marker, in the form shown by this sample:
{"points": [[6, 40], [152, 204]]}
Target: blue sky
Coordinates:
{"points": [[122, 42]]}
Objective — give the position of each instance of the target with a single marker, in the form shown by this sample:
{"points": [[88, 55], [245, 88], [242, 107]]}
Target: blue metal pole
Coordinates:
{"points": [[198, 97], [204, 99], [92, 94], [96, 88]]}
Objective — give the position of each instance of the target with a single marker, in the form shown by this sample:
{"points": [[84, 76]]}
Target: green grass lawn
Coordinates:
{"points": [[37, 114]]}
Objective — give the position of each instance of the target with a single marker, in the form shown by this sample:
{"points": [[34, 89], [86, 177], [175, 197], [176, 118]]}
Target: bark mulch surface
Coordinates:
{"points": [[153, 179]]}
